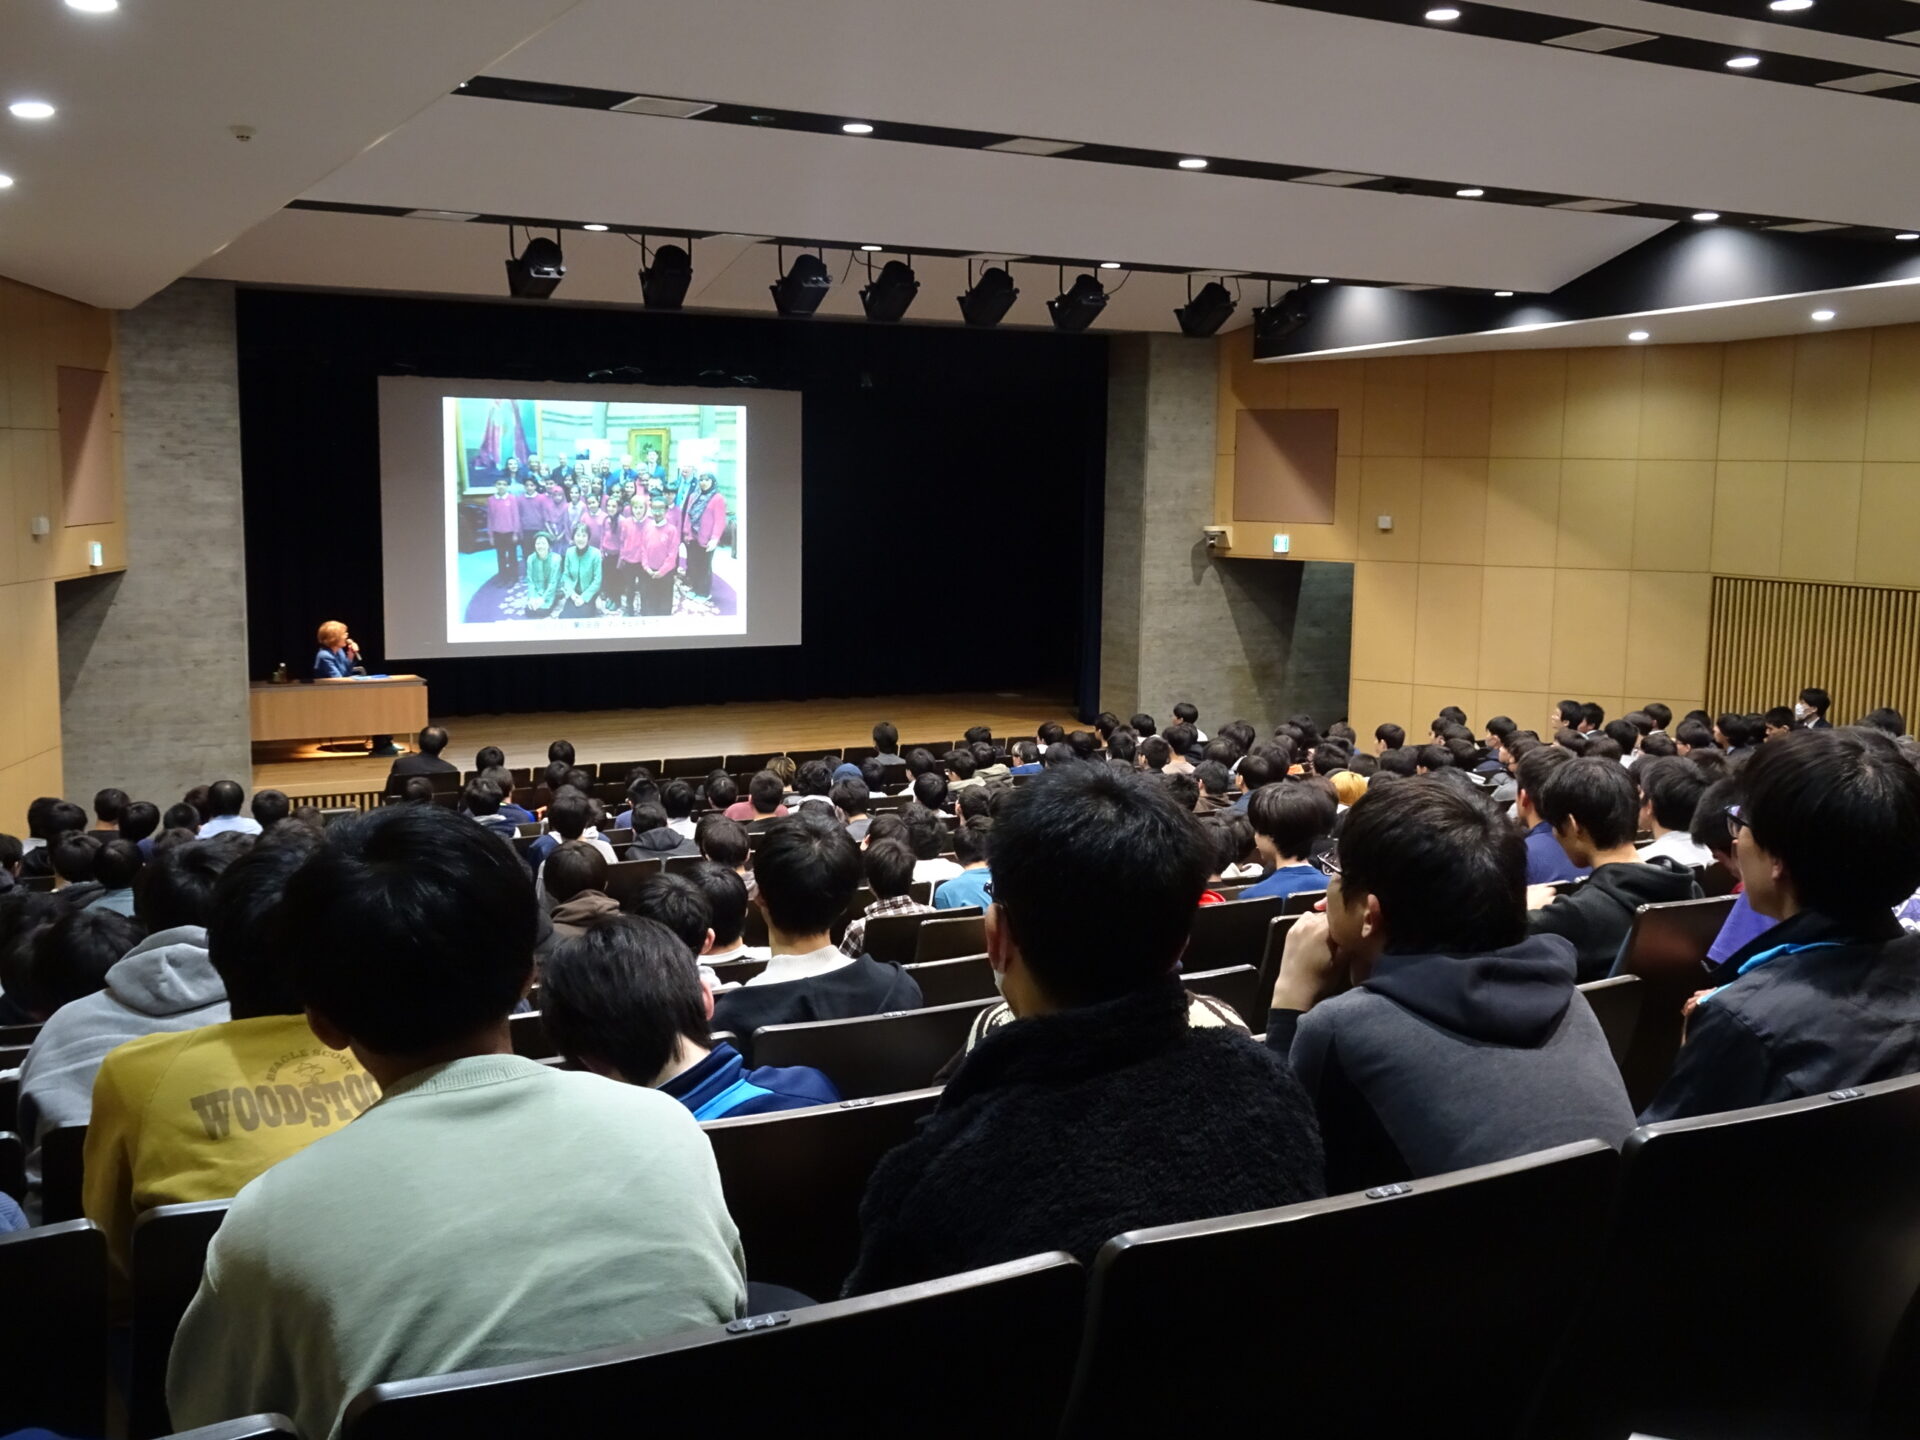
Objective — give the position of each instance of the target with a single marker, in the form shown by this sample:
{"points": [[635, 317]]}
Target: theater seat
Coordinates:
{"points": [[1238, 985], [528, 1031], [948, 982], [979, 1354], [1229, 934], [794, 1179], [169, 1253], [1426, 1308], [626, 877], [1301, 902], [53, 1329], [874, 1054], [1667, 948], [13, 1165], [253, 1427], [952, 933], [1759, 1274], [895, 939], [1270, 957], [1616, 1005], [62, 1159]]}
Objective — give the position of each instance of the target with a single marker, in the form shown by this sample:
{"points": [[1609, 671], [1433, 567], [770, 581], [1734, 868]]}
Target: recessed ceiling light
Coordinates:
{"points": [[94, 7], [1320, 280], [869, 248], [857, 127], [762, 119], [1503, 294], [1705, 215], [1193, 162], [31, 110], [1908, 235], [1472, 192], [1109, 264], [1743, 62], [1443, 13], [1823, 315], [1638, 335], [5, 181], [593, 227], [1786, 7]]}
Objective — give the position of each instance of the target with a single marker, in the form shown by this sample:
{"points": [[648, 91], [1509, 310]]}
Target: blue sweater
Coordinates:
{"points": [[721, 1085], [1546, 861], [333, 665], [1287, 880]]}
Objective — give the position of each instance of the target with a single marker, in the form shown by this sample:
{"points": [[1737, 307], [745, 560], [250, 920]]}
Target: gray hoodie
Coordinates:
{"points": [[164, 983]]}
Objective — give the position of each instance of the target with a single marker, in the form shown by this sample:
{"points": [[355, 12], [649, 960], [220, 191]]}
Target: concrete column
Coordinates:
{"points": [[1242, 639], [153, 662]]}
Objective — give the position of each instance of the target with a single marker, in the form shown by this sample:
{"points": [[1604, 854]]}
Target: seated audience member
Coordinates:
{"points": [[1156, 755], [1429, 758], [1670, 792], [224, 798], [481, 800], [1404, 760], [1546, 861], [930, 791], [1083, 744], [48, 819], [974, 884], [1777, 722], [574, 877], [1691, 735], [1287, 819], [886, 744], [807, 873], [1828, 840], [1712, 831], [75, 857], [625, 1000], [1184, 789], [766, 797], [720, 791], [1216, 787], [1737, 734], [427, 761], [1188, 714], [1123, 747], [142, 818], [726, 896], [410, 937], [1100, 1109], [889, 868], [851, 798], [1658, 745], [116, 868], [416, 790], [811, 782], [10, 852], [164, 982], [960, 771], [988, 768], [654, 835], [570, 817], [1811, 709], [1593, 808], [642, 789], [1180, 741], [1463, 1040], [561, 752], [676, 798], [194, 1115], [269, 808], [1026, 756], [928, 838], [725, 842], [1886, 719], [68, 960], [677, 903], [109, 808], [1249, 776]]}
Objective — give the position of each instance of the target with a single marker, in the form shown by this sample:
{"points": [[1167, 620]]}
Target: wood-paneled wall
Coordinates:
{"points": [[39, 333], [1861, 641], [1558, 516]]}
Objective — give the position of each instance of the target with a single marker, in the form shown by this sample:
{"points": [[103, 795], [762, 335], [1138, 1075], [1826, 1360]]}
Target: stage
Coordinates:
{"points": [[307, 773]]}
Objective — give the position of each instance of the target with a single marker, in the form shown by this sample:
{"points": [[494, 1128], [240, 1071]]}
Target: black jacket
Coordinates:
{"points": [[422, 765], [1598, 913], [1844, 1010], [655, 844], [866, 987], [1061, 1131]]}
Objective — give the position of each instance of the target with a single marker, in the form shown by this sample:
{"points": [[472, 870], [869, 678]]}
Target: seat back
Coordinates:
{"points": [[1238, 985], [1466, 1280], [62, 1157], [951, 934], [1301, 902], [1229, 934], [1667, 948], [834, 1369], [1270, 957], [13, 1165], [690, 767], [948, 982], [1616, 1005], [169, 1255], [53, 1328], [626, 877], [738, 972], [874, 1054], [1759, 1269], [528, 1031], [895, 939], [793, 1181], [250, 1427]]}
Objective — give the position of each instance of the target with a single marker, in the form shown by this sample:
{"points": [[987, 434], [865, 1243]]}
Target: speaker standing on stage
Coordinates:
{"points": [[339, 657]]}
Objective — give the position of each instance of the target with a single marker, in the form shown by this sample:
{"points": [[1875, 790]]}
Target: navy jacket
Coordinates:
{"points": [[866, 987], [722, 1085]]}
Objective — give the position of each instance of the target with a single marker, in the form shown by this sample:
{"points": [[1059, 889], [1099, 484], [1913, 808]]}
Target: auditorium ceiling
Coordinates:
{"points": [[1338, 139]]}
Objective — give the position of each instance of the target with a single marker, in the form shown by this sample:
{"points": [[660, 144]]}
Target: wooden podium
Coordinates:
{"points": [[334, 709]]}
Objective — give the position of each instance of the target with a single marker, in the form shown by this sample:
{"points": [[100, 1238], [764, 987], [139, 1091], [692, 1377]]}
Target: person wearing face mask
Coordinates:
{"points": [[1810, 712]]}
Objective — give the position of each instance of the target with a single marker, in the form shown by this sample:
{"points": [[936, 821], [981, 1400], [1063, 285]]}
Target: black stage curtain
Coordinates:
{"points": [[954, 485]]}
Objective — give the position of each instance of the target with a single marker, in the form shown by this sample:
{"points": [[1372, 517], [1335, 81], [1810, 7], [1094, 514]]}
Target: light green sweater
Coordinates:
{"points": [[484, 1212]]}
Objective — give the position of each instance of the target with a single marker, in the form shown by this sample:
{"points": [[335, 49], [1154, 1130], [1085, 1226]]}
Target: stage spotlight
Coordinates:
{"points": [[888, 294], [1206, 312], [536, 272], [663, 283], [1272, 323], [989, 298], [1076, 307], [798, 293]]}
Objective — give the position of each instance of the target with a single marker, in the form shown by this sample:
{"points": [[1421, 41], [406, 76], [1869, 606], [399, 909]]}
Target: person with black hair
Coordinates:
{"points": [[766, 799], [1188, 714], [622, 1001], [850, 799], [726, 896], [1288, 818], [1777, 722], [573, 880], [654, 836], [888, 865], [1733, 733], [183, 1116], [677, 903], [812, 783], [721, 791], [480, 800], [1547, 863], [1142, 724], [1827, 836], [1670, 791], [1692, 735], [1810, 712], [1660, 715], [1099, 1109], [409, 939], [1180, 743], [1429, 758], [109, 806], [416, 790], [75, 855], [1626, 735], [886, 743], [1388, 737], [164, 982], [974, 884], [116, 867], [806, 873], [724, 842], [1462, 1040], [427, 760], [47, 820], [1402, 761], [70, 958], [224, 798], [1887, 720], [570, 816], [1594, 809], [1592, 718], [1156, 755], [138, 823], [930, 792], [1248, 776], [1216, 787]]}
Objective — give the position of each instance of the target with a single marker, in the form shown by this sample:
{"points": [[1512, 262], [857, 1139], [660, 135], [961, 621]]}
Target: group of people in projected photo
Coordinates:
{"points": [[638, 515]]}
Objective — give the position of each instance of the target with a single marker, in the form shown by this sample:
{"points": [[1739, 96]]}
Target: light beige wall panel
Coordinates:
{"points": [[1330, 385], [1889, 547], [1603, 403], [1446, 648], [1756, 399], [1385, 597], [1373, 703], [1529, 403], [1680, 402], [1394, 406], [1589, 633], [1829, 420], [1596, 515], [1459, 405], [1820, 523], [1453, 510], [1523, 512], [1893, 395], [1668, 619], [1516, 628], [1749, 501], [1673, 515], [1389, 485]]}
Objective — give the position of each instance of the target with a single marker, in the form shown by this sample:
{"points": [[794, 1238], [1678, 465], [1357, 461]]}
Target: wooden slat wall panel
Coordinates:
{"points": [[1770, 638]]}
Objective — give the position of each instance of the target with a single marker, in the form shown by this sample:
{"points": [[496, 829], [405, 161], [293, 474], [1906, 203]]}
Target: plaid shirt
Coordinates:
{"points": [[853, 943]]}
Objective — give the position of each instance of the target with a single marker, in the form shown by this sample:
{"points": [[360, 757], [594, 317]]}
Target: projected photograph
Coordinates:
{"points": [[579, 518]]}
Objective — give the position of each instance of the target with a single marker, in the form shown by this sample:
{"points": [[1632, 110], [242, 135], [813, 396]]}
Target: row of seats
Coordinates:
{"points": [[1746, 1274]]}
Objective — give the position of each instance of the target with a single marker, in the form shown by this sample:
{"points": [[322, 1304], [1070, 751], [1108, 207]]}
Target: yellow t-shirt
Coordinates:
{"points": [[196, 1114]]}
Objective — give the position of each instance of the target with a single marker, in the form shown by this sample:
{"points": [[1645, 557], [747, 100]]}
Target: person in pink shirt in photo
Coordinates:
{"points": [[633, 528], [706, 522], [503, 522], [658, 554]]}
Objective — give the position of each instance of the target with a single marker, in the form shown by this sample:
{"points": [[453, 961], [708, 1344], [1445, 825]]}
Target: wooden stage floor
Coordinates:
{"points": [[689, 730]]}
